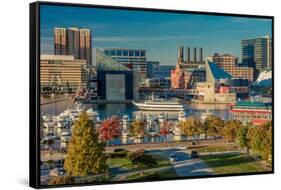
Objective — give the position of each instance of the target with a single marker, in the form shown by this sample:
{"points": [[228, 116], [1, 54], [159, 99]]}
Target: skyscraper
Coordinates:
{"points": [[60, 43], [256, 53], [73, 41], [85, 45]]}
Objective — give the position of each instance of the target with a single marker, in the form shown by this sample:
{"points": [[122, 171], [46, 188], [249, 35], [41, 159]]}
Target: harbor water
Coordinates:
{"points": [[108, 110]]}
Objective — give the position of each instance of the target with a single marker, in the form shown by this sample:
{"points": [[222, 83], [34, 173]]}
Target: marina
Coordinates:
{"points": [[58, 124]]}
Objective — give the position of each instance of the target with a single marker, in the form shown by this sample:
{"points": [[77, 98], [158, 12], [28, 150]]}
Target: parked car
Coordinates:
{"points": [[181, 147], [119, 149], [194, 154], [57, 172]]}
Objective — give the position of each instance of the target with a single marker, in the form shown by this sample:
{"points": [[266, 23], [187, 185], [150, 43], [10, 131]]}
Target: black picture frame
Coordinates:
{"points": [[34, 92]]}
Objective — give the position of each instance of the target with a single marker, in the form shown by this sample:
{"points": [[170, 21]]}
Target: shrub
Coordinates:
{"points": [[62, 180], [141, 158], [119, 154]]}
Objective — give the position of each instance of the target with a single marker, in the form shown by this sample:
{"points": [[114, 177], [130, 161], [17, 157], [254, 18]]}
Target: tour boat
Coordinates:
{"points": [[157, 104]]}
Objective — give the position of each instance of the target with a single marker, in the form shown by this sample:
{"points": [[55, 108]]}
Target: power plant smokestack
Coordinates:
{"points": [[200, 55], [180, 54], [194, 55], [188, 55]]}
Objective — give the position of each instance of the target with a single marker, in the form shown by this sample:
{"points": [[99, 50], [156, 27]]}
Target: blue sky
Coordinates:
{"points": [[157, 32]]}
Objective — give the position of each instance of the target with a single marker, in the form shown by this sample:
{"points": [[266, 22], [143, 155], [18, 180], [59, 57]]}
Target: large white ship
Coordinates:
{"points": [[160, 105]]}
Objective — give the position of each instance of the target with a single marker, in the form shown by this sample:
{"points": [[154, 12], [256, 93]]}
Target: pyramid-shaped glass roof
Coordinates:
{"points": [[106, 63], [218, 72]]}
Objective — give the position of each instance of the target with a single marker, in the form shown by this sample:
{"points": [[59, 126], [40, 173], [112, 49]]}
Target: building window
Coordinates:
{"points": [[131, 53], [142, 53], [125, 53], [137, 53], [119, 52], [112, 52]]}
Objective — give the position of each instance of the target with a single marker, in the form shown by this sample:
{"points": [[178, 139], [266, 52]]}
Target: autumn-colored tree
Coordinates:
{"points": [[261, 140], [214, 125], [230, 130], [137, 128], [166, 128], [110, 129], [191, 126], [62, 180], [85, 154]]}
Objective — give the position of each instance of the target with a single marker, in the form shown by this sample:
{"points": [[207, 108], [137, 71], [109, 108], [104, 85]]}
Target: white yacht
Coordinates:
{"points": [[158, 104]]}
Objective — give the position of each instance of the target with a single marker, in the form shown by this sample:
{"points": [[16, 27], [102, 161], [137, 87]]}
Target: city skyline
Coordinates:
{"points": [[158, 33]]}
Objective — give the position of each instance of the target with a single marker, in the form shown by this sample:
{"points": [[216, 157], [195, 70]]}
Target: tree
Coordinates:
{"points": [[214, 125], [191, 126], [230, 129], [261, 140], [138, 128], [141, 159], [110, 129], [166, 128], [242, 137], [85, 154], [62, 180]]}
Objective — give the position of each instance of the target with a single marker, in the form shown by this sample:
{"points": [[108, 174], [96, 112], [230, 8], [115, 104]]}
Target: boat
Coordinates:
{"points": [[158, 104], [92, 114]]}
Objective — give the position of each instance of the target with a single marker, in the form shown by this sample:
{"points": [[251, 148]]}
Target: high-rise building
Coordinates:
{"points": [[73, 41], [229, 63], [257, 53], [62, 70], [86, 45], [60, 42], [131, 58]]}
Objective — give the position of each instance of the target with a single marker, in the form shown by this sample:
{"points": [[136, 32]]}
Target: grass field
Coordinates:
{"points": [[215, 148], [233, 164], [168, 173], [124, 162]]}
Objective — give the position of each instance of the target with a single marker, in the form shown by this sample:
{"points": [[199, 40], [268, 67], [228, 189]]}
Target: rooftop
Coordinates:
{"points": [[251, 104], [217, 72], [106, 63]]}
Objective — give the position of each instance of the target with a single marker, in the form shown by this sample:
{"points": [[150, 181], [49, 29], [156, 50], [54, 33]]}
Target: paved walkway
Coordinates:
{"points": [[121, 177], [185, 166], [192, 167]]}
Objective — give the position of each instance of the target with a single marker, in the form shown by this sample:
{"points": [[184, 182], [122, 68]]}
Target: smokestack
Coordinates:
{"points": [[188, 55], [194, 55], [180, 54], [200, 55]]}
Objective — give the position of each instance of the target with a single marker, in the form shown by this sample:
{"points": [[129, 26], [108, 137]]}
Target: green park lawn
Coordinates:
{"points": [[214, 148], [144, 173], [125, 163], [161, 174], [233, 164]]}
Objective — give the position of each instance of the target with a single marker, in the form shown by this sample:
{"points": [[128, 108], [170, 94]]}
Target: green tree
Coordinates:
{"points": [[214, 125], [230, 130], [137, 128], [85, 154], [242, 138], [261, 140], [141, 158]]}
